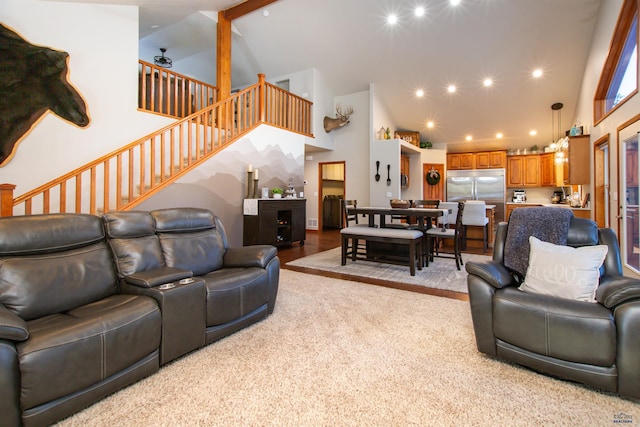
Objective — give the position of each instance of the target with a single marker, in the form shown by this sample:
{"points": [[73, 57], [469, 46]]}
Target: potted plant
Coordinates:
{"points": [[277, 192]]}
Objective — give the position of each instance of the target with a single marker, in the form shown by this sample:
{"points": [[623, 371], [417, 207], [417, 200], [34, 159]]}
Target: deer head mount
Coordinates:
{"points": [[340, 120]]}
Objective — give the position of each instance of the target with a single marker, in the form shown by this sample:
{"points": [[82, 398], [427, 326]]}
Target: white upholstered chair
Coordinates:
{"points": [[475, 214]]}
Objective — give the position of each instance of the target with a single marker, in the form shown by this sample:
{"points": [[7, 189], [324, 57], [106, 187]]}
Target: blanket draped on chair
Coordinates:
{"points": [[548, 224]]}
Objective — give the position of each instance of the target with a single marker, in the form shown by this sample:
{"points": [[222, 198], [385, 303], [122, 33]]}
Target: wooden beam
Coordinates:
{"points": [[223, 57], [245, 8]]}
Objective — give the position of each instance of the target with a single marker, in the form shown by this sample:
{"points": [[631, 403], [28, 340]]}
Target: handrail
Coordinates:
{"points": [[172, 94], [125, 177]]}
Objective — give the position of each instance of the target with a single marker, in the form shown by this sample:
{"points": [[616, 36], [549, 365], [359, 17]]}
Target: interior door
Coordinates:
{"points": [[629, 213]]}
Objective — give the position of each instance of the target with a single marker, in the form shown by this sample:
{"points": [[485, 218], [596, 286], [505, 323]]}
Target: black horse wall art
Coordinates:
{"points": [[33, 81]]}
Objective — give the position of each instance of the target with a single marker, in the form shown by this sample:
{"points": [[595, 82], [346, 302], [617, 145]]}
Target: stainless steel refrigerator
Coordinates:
{"points": [[479, 184]]}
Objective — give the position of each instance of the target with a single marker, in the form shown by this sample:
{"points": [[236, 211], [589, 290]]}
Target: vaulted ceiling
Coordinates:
{"points": [[352, 45]]}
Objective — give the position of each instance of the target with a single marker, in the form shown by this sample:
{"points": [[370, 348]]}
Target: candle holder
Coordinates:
{"points": [[249, 182], [255, 188]]}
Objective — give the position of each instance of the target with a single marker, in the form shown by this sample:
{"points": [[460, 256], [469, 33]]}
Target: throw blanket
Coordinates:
{"points": [[547, 224]]}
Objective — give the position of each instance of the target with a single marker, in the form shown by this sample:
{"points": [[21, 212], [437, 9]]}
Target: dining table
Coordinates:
{"points": [[423, 216], [423, 221]]}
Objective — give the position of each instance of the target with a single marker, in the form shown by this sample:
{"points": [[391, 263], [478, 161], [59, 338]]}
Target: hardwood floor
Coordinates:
{"points": [[319, 241]]}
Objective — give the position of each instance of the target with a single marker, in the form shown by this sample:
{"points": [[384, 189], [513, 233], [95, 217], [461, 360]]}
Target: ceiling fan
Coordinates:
{"points": [[163, 61]]}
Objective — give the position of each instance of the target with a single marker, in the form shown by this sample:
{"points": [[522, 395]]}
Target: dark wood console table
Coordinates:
{"points": [[275, 222]]}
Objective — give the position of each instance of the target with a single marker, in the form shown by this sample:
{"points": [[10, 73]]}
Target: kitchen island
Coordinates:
{"points": [[577, 212]]}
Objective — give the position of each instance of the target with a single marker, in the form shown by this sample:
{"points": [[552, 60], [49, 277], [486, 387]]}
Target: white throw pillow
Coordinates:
{"points": [[563, 271]]}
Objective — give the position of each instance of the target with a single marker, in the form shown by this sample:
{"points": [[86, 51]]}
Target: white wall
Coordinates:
{"points": [[310, 85], [220, 184], [605, 25], [608, 16], [351, 144], [102, 42]]}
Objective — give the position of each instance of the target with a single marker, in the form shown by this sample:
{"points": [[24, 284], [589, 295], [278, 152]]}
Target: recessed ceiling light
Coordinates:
{"points": [[265, 13], [537, 73], [533, 132], [468, 137], [154, 26], [420, 93], [430, 124], [451, 88], [455, 2], [419, 11], [392, 19], [499, 135], [487, 82]]}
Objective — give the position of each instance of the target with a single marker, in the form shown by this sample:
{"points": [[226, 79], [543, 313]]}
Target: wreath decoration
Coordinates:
{"points": [[433, 177]]}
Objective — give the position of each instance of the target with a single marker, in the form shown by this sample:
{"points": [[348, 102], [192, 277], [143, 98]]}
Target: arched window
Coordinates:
{"points": [[619, 78]]}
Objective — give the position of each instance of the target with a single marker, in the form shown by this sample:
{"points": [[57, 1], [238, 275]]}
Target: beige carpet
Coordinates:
{"points": [[342, 353], [441, 273]]}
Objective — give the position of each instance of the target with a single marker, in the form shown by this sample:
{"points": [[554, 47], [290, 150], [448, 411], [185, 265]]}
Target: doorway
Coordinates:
{"points": [[436, 191], [332, 191]]}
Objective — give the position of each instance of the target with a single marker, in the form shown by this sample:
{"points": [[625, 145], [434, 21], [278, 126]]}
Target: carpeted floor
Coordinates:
{"points": [[441, 273], [343, 353]]}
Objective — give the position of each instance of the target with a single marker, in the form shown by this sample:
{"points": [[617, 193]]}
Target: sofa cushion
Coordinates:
{"points": [[556, 327], [41, 234], [133, 240], [70, 351], [564, 271], [39, 285], [235, 292]]}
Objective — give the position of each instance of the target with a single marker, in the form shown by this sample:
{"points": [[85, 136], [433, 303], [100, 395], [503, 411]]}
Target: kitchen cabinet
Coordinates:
{"points": [[480, 160], [574, 168], [548, 170], [278, 222], [523, 171], [333, 172], [457, 161], [405, 164], [491, 160], [579, 160]]}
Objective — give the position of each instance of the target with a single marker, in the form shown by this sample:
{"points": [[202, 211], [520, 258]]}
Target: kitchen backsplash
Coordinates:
{"points": [[535, 194]]}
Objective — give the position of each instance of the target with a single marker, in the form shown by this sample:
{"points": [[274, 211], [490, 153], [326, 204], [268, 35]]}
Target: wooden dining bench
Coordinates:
{"points": [[411, 238]]}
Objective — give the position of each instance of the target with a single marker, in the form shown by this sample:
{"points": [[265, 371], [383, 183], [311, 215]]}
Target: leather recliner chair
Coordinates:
{"points": [[591, 343]]}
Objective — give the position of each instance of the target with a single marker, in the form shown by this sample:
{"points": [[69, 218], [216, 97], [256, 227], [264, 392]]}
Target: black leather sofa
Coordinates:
{"points": [[591, 343], [86, 308]]}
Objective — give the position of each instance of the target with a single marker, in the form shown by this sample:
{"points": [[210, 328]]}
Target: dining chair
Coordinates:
{"points": [[351, 220], [426, 204], [475, 214], [441, 233]]}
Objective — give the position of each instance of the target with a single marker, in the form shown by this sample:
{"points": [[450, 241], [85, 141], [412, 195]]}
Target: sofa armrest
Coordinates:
{"points": [[12, 327], [250, 256], [157, 276], [492, 272], [614, 290]]}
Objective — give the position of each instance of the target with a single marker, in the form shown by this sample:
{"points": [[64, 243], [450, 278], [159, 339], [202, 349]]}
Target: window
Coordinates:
{"points": [[619, 79]]}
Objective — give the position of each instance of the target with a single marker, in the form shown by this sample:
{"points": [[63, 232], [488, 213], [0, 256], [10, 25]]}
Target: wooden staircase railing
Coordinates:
{"points": [[172, 94], [122, 179]]}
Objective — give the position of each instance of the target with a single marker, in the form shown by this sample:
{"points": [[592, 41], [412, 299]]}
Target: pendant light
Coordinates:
{"points": [[556, 107]]}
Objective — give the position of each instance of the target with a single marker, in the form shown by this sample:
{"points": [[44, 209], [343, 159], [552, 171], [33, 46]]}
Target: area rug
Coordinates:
{"points": [[441, 273], [344, 353]]}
